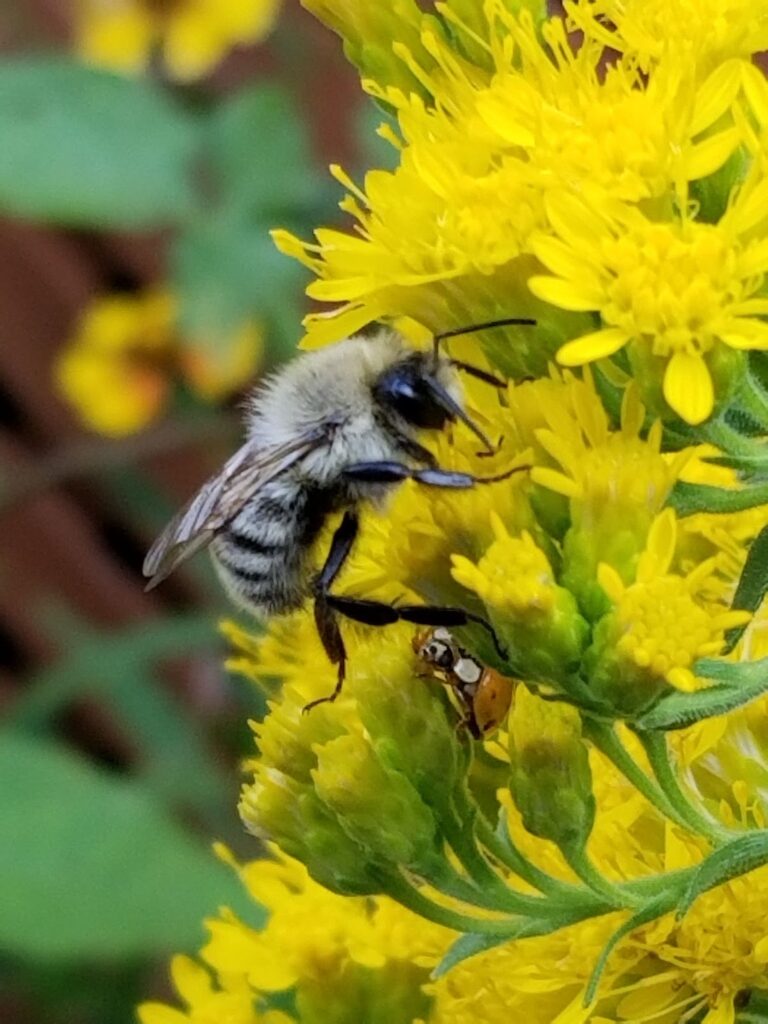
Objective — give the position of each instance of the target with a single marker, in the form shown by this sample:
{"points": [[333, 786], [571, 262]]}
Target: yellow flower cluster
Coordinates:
{"points": [[602, 857], [119, 368], [521, 154], [188, 36], [334, 951]]}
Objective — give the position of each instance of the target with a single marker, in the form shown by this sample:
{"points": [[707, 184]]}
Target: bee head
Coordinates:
{"points": [[423, 390]]}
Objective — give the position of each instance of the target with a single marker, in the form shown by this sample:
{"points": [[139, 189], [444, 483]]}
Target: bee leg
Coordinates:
{"points": [[333, 642], [395, 472], [325, 617], [377, 613]]}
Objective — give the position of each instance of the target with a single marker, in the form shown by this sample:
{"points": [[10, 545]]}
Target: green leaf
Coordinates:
{"points": [[528, 928], [91, 867], [260, 155], [736, 858], [752, 586], [756, 1010], [688, 499], [742, 682], [120, 669], [226, 272], [750, 467], [657, 907], [88, 148]]}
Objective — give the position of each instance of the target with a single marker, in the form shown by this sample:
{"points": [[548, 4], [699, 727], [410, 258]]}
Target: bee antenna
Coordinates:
{"points": [[483, 375], [511, 321]]}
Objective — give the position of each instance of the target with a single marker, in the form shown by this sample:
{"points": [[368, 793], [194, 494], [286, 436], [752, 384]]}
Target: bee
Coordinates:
{"points": [[485, 696], [332, 429]]}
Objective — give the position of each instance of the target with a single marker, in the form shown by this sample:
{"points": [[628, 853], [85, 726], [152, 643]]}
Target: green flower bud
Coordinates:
{"points": [[538, 620], [378, 808], [391, 994], [412, 729], [551, 782], [368, 27]]}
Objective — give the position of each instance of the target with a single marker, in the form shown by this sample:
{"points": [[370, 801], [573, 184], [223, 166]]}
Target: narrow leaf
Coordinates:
{"points": [[736, 858], [468, 945], [752, 466], [752, 587], [657, 907], [745, 682], [688, 499]]}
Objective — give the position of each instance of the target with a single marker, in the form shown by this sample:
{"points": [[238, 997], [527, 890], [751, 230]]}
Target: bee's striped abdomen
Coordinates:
{"points": [[261, 555]]}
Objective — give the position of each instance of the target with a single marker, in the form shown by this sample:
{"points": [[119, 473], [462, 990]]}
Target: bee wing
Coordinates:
{"points": [[220, 499]]}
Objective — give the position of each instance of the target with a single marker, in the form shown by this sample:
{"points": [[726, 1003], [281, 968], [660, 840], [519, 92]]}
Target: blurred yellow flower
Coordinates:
{"points": [[342, 956], [190, 36], [119, 368]]}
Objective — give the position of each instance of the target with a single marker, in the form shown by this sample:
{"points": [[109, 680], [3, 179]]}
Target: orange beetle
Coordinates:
{"points": [[484, 694]]}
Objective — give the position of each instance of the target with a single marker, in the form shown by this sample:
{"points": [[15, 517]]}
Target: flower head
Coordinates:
{"points": [[663, 622], [339, 955], [681, 293]]}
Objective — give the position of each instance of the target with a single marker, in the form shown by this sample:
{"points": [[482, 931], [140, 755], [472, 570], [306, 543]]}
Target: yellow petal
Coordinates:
{"points": [[688, 387], [566, 294], [745, 333], [559, 258], [723, 1013], [610, 581], [594, 346], [756, 90], [156, 1013], [715, 95], [708, 156], [192, 981], [750, 208], [574, 221], [554, 481]]}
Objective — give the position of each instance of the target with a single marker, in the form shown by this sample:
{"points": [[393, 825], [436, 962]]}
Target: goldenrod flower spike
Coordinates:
{"points": [[603, 856]]}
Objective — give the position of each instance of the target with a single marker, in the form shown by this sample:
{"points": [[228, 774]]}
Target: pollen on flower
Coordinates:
{"points": [[605, 472], [314, 942]]}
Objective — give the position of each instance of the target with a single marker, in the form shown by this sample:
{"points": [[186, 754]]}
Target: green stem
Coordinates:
{"points": [[505, 851], [608, 743], [751, 398], [463, 844], [655, 745], [577, 857], [727, 438], [400, 889]]}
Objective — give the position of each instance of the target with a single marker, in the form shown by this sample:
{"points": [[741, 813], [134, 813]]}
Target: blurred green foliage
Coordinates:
{"points": [[106, 864]]}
